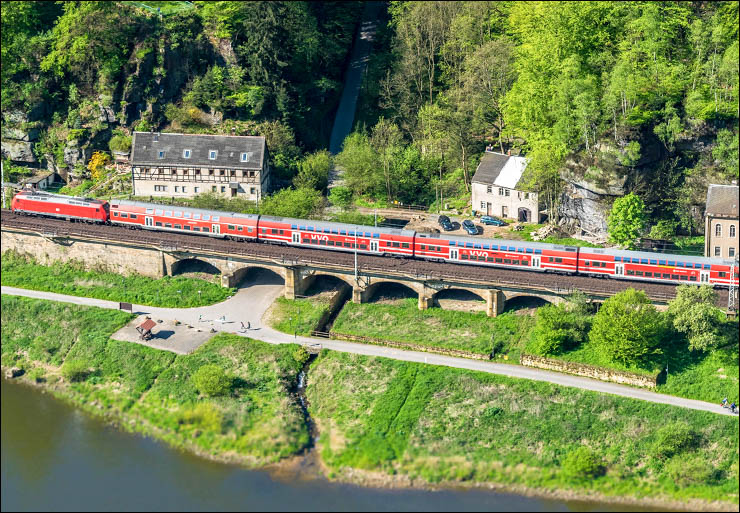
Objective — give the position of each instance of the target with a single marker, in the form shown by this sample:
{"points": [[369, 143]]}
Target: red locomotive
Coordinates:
{"points": [[65, 207]]}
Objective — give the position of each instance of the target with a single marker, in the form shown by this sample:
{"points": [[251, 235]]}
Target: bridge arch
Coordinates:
{"points": [[266, 275], [520, 301], [460, 298], [395, 288], [193, 265], [322, 280]]}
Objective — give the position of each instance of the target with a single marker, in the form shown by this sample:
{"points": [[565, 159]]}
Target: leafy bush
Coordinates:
{"points": [[628, 328], [204, 416], [75, 369], [556, 330], [340, 197], [120, 143], [695, 471], [211, 380], [37, 375], [582, 463], [300, 355], [626, 220], [693, 312], [674, 438]]}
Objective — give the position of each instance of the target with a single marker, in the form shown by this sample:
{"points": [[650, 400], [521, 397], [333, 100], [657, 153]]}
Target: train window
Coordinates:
{"points": [[722, 274], [490, 259], [507, 260], [453, 243], [692, 278], [215, 219], [498, 260], [294, 226], [396, 245], [363, 246], [273, 231], [335, 232], [525, 262], [671, 263], [674, 276], [468, 244], [559, 260], [187, 227], [520, 250], [168, 225], [494, 246], [133, 216], [463, 257], [282, 232], [586, 263], [115, 214], [423, 247], [706, 267], [666, 275], [157, 224], [178, 214], [124, 214], [529, 250], [187, 215], [205, 229], [179, 227], [97, 210], [322, 242], [249, 230], [617, 259], [537, 251], [168, 213], [405, 245], [477, 246], [159, 212], [549, 259], [661, 262], [342, 232], [196, 229], [644, 261], [230, 227], [264, 230], [350, 244], [206, 217], [196, 216], [680, 264], [684, 277], [149, 210], [648, 274], [638, 273], [331, 243], [630, 272], [653, 262]]}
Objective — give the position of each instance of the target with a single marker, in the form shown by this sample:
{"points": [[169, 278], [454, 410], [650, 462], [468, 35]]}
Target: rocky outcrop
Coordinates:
{"points": [[19, 151], [18, 135]]}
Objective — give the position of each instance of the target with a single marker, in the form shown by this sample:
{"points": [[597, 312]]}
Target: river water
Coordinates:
{"points": [[55, 457]]}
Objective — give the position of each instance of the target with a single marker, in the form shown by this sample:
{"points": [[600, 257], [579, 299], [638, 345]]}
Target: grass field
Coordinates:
{"points": [[150, 391], [439, 424], [70, 278], [435, 327], [298, 315]]}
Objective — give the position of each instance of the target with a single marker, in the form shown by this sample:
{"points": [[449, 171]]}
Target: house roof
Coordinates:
{"points": [[722, 200], [500, 170], [146, 146]]}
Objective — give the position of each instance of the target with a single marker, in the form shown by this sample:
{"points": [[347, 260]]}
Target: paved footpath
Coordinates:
{"points": [[266, 334]]}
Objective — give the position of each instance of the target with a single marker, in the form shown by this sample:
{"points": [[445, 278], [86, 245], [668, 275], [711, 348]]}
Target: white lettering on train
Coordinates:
{"points": [[319, 237]]}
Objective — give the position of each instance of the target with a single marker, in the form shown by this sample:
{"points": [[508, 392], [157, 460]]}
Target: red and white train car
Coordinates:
{"points": [[149, 216], [65, 207], [337, 236]]}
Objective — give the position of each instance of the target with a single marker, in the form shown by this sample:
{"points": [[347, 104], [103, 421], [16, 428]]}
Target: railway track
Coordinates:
{"points": [[420, 269]]}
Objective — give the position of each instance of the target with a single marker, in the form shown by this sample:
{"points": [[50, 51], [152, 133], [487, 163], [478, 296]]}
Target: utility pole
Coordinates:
{"points": [[376, 216], [731, 305], [2, 181], [355, 254]]}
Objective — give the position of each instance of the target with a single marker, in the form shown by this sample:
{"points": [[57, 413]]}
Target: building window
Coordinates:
{"points": [[730, 252], [504, 211], [186, 154], [210, 172], [212, 154], [197, 190], [489, 189], [223, 188], [717, 251], [732, 230], [252, 190], [482, 205], [507, 192], [160, 154], [232, 172], [213, 188], [245, 157], [718, 230], [526, 195], [177, 188], [184, 189], [160, 188], [251, 173], [500, 191], [221, 172]]}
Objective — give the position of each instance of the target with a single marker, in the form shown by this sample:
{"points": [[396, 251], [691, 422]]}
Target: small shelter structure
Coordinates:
{"points": [[145, 329]]}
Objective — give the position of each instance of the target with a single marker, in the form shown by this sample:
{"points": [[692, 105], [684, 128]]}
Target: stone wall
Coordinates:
{"points": [[93, 255], [591, 371]]}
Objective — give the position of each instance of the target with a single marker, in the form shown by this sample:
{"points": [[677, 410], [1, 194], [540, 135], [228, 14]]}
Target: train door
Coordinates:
{"points": [[217, 229], [149, 221], [536, 262], [374, 245], [453, 254], [619, 270], [296, 237], [704, 277]]}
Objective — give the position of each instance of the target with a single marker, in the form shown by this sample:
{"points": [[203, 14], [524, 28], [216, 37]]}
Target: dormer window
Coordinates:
{"points": [[212, 154], [156, 137], [245, 157], [160, 154], [186, 154]]}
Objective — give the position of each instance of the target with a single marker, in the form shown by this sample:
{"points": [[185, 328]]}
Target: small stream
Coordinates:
{"points": [[300, 391]]}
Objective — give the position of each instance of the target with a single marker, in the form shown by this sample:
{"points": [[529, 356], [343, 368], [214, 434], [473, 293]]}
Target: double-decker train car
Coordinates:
{"points": [[137, 214], [64, 207], [337, 236]]}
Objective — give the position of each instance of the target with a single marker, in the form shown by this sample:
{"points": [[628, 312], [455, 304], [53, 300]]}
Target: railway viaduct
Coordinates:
{"points": [[122, 252]]}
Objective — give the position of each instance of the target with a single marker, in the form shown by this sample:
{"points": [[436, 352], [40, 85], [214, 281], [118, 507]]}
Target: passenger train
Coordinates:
{"points": [[531, 256]]}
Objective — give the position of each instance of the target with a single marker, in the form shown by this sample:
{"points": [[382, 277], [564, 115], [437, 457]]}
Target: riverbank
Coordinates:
{"points": [[444, 414]]}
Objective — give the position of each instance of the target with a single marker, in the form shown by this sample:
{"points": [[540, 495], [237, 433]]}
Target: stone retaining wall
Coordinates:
{"points": [[591, 371], [408, 345]]}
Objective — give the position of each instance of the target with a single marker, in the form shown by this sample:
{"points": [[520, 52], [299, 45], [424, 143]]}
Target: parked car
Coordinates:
{"points": [[443, 219], [469, 227], [495, 221], [445, 223]]}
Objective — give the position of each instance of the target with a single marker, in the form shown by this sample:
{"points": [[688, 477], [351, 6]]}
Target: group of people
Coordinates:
{"points": [[733, 406]]}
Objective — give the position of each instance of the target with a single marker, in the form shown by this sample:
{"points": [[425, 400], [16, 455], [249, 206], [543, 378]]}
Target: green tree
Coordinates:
{"points": [[76, 369], [556, 330], [340, 196], [386, 141], [726, 153], [626, 220], [360, 164], [301, 203], [663, 229], [694, 313], [313, 171], [628, 328], [211, 381]]}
